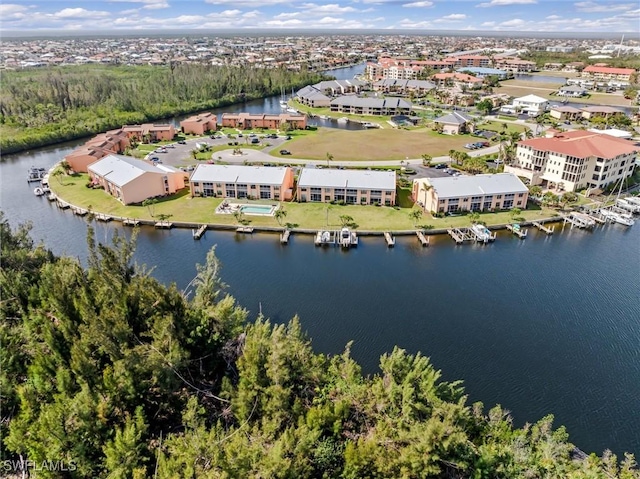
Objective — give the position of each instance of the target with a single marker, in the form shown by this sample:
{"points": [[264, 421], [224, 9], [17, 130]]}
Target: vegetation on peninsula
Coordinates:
{"points": [[44, 106], [107, 369]]}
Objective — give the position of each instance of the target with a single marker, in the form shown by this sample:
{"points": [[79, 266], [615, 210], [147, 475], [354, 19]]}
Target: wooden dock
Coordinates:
{"points": [[460, 235], [284, 237], [325, 238], [130, 222], [542, 227], [167, 225], [244, 229], [424, 240], [63, 205], [391, 241], [517, 230], [103, 217], [580, 220], [52, 197], [79, 211], [197, 234]]}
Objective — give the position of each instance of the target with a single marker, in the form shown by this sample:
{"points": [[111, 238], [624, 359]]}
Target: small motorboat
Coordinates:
{"points": [[39, 191]]}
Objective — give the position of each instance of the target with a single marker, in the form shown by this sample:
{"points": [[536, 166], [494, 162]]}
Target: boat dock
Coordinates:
{"points": [[79, 211], [130, 222], [244, 229], [63, 205], [103, 217], [325, 238], [481, 233], [542, 227], [517, 230], [391, 241], [579, 220], [348, 238], [167, 225], [197, 234], [460, 235], [424, 240], [284, 237]]}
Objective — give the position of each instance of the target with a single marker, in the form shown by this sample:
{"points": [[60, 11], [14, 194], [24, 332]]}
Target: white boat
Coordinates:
{"points": [[36, 174], [292, 110], [343, 119], [608, 215], [634, 200], [348, 238], [624, 219], [38, 192], [482, 233], [625, 204]]}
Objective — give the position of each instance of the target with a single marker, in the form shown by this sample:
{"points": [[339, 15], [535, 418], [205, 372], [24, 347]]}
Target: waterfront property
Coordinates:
{"points": [[370, 106], [199, 124], [565, 113], [602, 111], [529, 104], [235, 181], [113, 141], [247, 121], [132, 181], [500, 191], [150, 132], [403, 87], [605, 73], [354, 187], [574, 160]]}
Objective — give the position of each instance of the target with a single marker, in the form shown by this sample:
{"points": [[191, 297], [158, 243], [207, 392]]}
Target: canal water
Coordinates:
{"points": [[542, 325]]}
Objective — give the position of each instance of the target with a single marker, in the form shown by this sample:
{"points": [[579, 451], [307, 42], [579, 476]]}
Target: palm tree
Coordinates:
{"points": [[346, 220], [329, 158], [474, 217], [149, 203], [279, 215], [415, 215], [426, 160], [535, 190], [58, 174]]}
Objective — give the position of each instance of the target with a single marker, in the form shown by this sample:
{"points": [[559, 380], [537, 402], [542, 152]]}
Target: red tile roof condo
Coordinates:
{"points": [[583, 144]]}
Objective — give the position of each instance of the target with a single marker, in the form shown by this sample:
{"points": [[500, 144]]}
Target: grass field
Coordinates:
{"points": [[519, 88], [372, 145], [182, 207]]}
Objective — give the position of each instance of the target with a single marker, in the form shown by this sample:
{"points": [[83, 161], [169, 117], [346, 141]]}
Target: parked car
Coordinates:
{"points": [[255, 140], [182, 142], [285, 152], [154, 159], [440, 166], [470, 146]]}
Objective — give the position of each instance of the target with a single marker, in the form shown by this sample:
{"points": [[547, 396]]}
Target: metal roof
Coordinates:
{"points": [[454, 118], [120, 169], [352, 100], [255, 175], [358, 179], [478, 185]]}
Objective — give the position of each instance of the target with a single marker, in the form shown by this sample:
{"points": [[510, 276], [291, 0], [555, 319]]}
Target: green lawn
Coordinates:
{"points": [[182, 207]]}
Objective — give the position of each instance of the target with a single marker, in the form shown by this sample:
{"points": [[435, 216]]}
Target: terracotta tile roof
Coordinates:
{"points": [[610, 70], [582, 144]]}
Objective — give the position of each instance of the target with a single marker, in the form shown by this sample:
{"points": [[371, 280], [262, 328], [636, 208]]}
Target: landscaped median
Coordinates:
{"points": [[304, 216]]}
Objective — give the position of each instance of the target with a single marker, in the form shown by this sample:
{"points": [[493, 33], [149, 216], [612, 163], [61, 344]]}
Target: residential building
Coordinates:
{"points": [[199, 124], [404, 87], [500, 191], [574, 160], [600, 72], [340, 87], [602, 111], [565, 113], [572, 91], [483, 72], [370, 106], [150, 132], [132, 181], [455, 123], [311, 96], [354, 187], [462, 80], [247, 121], [530, 104], [113, 141], [515, 65], [235, 181]]}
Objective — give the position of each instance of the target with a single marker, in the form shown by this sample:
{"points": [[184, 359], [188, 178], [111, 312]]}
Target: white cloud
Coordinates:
{"points": [[488, 24], [146, 4], [516, 22], [285, 15], [593, 7], [68, 13], [247, 3], [408, 23], [501, 3], [454, 16], [418, 4], [333, 8], [553, 17], [11, 11]]}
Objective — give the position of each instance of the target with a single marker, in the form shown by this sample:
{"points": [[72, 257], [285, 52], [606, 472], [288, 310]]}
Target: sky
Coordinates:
{"points": [[134, 16]]}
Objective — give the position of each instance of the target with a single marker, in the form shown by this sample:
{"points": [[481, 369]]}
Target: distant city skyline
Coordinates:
{"points": [[158, 16]]}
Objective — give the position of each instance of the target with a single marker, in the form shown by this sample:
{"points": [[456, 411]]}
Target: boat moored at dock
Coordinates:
{"points": [[36, 174]]}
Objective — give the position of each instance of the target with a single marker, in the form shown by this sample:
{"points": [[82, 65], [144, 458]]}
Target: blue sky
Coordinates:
{"points": [[484, 15]]}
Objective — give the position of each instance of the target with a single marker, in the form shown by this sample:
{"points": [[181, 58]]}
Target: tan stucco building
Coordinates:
{"points": [[354, 187], [235, 181], [113, 141], [132, 181], [199, 124], [500, 191], [246, 121]]}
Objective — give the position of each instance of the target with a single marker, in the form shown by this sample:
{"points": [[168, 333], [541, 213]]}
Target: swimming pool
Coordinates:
{"points": [[257, 209]]}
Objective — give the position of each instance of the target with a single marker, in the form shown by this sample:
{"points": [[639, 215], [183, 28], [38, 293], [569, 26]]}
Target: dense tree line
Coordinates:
{"points": [[42, 106], [107, 369]]}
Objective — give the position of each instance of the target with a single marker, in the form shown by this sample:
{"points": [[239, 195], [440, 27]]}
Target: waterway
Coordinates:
{"points": [[542, 325]]}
